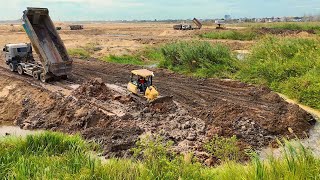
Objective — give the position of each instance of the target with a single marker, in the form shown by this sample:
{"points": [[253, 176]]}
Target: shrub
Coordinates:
{"points": [[287, 65], [199, 58], [223, 148]]}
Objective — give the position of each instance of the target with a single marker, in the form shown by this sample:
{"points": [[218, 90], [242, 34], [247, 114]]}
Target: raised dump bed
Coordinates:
{"points": [[47, 42]]}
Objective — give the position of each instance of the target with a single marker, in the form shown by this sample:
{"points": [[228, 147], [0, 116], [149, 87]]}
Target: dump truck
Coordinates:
{"points": [[76, 27], [188, 26], [54, 59]]}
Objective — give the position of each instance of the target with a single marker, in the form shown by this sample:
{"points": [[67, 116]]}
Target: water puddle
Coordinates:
{"points": [[15, 131]]}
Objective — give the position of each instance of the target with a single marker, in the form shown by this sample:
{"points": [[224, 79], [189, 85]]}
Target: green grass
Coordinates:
{"points": [[84, 52], [125, 59], [58, 156], [302, 26], [252, 30], [79, 53], [198, 58], [243, 35], [287, 65], [149, 56]]}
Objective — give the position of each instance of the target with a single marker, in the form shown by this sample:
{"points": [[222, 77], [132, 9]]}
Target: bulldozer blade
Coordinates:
{"points": [[162, 99], [139, 99]]}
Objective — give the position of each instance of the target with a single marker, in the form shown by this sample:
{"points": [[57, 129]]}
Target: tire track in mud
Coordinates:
{"points": [[184, 89]]}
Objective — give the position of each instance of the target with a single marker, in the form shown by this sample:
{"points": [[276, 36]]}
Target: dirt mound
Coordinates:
{"points": [[93, 88], [255, 114], [277, 31]]}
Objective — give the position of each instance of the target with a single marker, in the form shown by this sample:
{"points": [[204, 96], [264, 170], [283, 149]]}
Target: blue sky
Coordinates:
{"points": [[72, 10]]}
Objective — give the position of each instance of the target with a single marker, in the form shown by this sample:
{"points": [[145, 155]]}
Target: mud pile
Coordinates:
{"points": [[258, 125], [117, 121], [94, 88]]}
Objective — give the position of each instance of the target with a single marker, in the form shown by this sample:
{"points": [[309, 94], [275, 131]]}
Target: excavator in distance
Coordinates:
{"points": [[141, 86]]}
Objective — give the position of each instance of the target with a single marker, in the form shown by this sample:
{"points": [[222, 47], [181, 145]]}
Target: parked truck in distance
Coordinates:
{"points": [[76, 27], [188, 26], [54, 61]]}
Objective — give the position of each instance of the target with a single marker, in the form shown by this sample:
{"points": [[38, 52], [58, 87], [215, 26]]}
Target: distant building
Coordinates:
{"points": [[227, 17]]}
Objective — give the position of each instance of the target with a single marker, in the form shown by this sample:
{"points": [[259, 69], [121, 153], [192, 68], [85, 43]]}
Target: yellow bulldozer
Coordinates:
{"points": [[141, 85]]}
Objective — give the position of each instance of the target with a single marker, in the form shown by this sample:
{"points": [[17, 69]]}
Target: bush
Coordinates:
{"points": [[199, 58], [287, 65], [223, 148], [243, 35]]}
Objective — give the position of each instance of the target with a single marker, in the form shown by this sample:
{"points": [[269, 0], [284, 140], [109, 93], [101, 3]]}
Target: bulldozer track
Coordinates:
{"points": [[184, 89]]}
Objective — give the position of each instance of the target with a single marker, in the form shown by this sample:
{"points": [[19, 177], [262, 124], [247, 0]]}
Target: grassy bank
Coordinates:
{"points": [[287, 65], [242, 35], [298, 26], [253, 30], [58, 156], [198, 58], [84, 52]]}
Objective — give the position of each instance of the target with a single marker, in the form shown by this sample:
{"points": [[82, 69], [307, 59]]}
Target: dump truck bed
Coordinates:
{"points": [[46, 41], [197, 22]]}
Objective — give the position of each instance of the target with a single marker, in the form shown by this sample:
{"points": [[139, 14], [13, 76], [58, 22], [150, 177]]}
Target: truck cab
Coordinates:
{"points": [[17, 53]]}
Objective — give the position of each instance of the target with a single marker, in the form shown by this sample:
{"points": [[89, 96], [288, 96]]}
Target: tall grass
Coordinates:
{"points": [[298, 26], [125, 59], [198, 58], [243, 35], [252, 30], [287, 65], [58, 156]]}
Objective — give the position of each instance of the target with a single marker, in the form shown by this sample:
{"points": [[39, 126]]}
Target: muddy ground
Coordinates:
{"points": [[95, 103]]}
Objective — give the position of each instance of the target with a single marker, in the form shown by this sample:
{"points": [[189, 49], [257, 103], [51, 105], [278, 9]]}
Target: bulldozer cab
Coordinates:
{"points": [[141, 84], [141, 80]]}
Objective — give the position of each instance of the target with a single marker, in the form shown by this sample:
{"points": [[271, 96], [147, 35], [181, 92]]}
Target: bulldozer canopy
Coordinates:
{"points": [[143, 73]]}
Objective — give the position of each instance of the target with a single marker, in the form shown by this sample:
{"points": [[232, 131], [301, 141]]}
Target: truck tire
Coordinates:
{"points": [[64, 77], [43, 78], [12, 67], [20, 70], [36, 75]]}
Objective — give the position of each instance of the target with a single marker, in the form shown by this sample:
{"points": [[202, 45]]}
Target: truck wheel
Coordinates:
{"points": [[36, 75], [64, 77], [20, 70], [43, 78], [12, 67]]}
